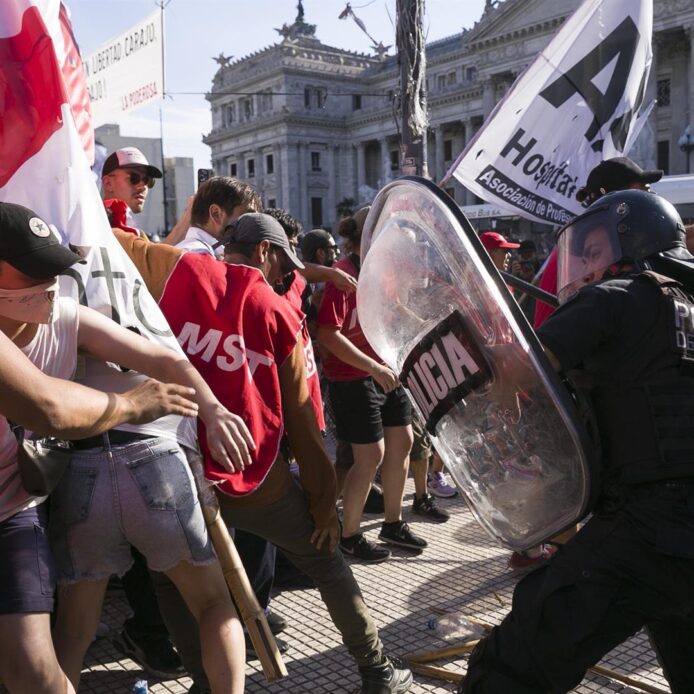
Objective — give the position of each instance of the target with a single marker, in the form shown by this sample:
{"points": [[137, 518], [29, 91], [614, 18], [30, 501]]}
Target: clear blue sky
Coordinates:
{"points": [[197, 30]]}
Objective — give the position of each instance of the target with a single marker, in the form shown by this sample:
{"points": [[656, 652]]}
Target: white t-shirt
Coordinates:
{"points": [[54, 351]]}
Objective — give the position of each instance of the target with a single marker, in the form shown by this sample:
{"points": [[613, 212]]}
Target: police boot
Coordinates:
{"points": [[390, 676]]}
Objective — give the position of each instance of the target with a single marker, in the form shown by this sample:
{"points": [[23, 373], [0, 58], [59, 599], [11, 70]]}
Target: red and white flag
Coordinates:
{"points": [[46, 142]]}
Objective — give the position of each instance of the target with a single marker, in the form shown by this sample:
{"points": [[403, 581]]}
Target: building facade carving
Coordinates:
{"points": [[311, 125]]}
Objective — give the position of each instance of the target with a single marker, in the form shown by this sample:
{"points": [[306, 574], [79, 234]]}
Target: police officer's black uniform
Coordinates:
{"points": [[632, 564]]}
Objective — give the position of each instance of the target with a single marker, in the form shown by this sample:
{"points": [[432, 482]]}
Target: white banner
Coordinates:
{"points": [[127, 71], [576, 105]]}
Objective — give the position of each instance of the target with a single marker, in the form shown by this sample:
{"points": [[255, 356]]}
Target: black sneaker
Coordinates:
{"points": [[360, 548], [374, 501], [390, 677], [282, 647], [426, 506], [155, 655], [399, 534], [276, 622]]}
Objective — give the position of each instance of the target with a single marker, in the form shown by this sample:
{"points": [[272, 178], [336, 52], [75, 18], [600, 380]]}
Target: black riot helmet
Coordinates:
{"points": [[627, 227]]}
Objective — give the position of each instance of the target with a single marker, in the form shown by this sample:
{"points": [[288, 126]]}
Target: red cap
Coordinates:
{"points": [[493, 239]]}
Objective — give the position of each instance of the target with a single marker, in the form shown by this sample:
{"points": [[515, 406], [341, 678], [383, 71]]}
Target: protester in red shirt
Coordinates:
{"points": [[499, 249], [245, 341], [371, 409]]}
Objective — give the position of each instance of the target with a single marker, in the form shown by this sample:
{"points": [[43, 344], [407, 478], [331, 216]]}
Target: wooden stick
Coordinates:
{"points": [[626, 679], [438, 673], [447, 652], [453, 651], [251, 612]]}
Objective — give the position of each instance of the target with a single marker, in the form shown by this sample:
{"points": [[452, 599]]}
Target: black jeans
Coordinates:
{"points": [[602, 587]]}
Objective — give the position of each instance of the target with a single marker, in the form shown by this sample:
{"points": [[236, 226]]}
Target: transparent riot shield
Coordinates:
{"points": [[434, 307]]}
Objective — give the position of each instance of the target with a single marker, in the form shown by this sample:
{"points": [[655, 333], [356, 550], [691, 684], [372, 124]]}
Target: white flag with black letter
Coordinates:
{"points": [[576, 105]]}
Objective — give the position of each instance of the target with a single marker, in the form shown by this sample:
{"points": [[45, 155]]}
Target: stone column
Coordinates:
{"points": [[331, 175], [679, 94], [468, 132], [349, 185], [283, 199], [385, 161], [259, 159], [488, 96], [439, 165], [361, 168], [689, 33], [302, 179]]}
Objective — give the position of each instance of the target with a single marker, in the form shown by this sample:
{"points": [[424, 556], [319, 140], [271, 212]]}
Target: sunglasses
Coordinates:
{"points": [[136, 178], [335, 249]]}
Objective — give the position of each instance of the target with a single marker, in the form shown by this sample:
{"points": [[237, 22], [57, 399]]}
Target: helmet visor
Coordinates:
{"points": [[585, 249]]}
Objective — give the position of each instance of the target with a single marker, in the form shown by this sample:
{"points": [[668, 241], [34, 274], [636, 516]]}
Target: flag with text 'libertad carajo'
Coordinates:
{"points": [[46, 142], [579, 102]]}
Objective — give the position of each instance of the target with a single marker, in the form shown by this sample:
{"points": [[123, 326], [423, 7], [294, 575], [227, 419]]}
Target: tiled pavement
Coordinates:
{"points": [[461, 570]]}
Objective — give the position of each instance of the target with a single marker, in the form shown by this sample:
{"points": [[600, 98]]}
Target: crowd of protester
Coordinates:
{"points": [[282, 376]]}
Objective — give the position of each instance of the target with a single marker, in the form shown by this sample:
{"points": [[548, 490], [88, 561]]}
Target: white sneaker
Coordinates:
{"points": [[438, 486]]}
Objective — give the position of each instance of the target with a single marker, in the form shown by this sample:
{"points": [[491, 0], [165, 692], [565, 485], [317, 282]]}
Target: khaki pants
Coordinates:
{"points": [[288, 524]]}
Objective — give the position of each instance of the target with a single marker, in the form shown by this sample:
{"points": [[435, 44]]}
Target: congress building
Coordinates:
{"points": [[315, 128]]}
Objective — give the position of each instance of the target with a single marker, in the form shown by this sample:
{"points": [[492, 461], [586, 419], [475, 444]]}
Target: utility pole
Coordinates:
{"points": [[413, 101]]}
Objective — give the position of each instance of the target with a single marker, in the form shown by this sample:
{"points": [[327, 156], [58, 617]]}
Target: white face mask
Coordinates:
{"points": [[30, 305]]}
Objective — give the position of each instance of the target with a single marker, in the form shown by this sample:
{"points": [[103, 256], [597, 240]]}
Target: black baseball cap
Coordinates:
{"points": [[129, 158], [527, 245], [29, 245], [615, 174], [254, 227], [312, 240]]}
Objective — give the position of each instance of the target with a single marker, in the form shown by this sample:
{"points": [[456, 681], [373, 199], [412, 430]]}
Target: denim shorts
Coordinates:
{"points": [[140, 494], [27, 571]]}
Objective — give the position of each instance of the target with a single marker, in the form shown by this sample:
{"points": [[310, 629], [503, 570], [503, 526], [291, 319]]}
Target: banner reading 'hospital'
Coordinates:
{"points": [[580, 102], [127, 71]]}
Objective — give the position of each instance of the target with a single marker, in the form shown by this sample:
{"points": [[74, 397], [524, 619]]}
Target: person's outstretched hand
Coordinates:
{"points": [[153, 399]]}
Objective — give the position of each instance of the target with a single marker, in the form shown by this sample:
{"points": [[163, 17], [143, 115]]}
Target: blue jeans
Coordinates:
{"points": [[140, 494]]}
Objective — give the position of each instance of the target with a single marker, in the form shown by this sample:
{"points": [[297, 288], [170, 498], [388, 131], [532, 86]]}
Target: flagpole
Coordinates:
{"points": [[162, 5]]}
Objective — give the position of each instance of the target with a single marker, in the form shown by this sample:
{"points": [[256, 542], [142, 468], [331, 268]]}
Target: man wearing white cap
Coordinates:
{"points": [[128, 176], [126, 179]]}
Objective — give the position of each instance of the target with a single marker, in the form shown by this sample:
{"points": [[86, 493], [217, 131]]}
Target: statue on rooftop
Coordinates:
{"points": [[223, 60], [299, 29]]}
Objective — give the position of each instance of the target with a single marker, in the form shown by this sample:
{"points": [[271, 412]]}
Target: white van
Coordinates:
{"points": [[679, 190]]}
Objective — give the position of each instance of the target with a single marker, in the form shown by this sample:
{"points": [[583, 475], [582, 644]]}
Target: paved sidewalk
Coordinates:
{"points": [[461, 570]]}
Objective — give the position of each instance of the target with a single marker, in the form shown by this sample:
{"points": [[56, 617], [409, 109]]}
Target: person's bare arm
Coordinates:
{"points": [[316, 470], [320, 273], [178, 233], [55, 407], [336, 343], [227, 435]]}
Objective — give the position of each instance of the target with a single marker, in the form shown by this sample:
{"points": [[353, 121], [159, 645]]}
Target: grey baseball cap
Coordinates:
{"points": [[254, 227]]}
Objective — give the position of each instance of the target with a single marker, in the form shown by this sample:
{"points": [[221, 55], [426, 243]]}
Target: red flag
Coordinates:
{"points": [[76, 85], [45, 132], [30, 89]]}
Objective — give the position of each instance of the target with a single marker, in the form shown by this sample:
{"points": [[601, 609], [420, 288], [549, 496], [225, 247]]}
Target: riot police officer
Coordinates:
{"points": [[627, 325]]}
